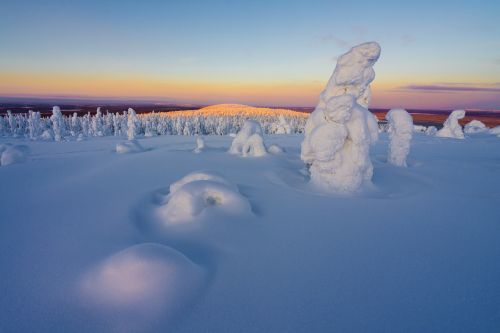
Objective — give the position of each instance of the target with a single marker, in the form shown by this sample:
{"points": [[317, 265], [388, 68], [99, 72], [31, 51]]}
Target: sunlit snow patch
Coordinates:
{"points": [[142, 283]]}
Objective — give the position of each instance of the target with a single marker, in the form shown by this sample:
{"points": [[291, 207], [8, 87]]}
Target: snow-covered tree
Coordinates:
{"points": [[57, 123], [475, 126], [132, 123], [200, 144], [339, 132], [249, 141], [400, 133], [97, 124], [451, 127]]}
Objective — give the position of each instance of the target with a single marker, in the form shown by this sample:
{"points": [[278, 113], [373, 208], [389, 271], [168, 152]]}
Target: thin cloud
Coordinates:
{"points": [[451, 88]]}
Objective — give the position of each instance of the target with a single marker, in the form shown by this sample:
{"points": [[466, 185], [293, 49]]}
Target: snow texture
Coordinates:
{"points": [[475, 126], [249, 142], [200, 144], [275, 150], [451, 127], [431, 130], [495, 130], [400, 133], [127, 147], [339, 132], [13, 154], [151, 281], [200, 196]]}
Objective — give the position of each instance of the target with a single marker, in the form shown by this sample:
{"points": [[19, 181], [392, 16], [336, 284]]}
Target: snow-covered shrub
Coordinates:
{"points": [[13, 154], [475, 126], [57, 123], [451, 127], [249, 141], [152, 281], [201, 195], [339, 132], [495, 130], [275, 149], [431, 130], [130, 146], [200, 144], [400, 133], [419, 129]]}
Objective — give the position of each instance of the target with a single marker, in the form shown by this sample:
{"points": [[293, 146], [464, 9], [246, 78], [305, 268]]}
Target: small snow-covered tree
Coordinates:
{"points": [[400, 133], [249, 141], [57, 123], [200, 144], [132, 123], [12, 123], [451, 127], [97, 123]]}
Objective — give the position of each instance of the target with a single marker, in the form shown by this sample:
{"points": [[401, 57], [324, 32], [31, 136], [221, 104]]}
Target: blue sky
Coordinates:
{"points": [[275, 44]]}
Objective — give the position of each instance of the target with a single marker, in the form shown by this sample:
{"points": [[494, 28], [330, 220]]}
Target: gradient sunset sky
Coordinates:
{"points": [[435, 54]]}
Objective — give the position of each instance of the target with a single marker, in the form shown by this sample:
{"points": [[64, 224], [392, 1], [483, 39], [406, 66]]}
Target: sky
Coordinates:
{"points": [[435, 54]]}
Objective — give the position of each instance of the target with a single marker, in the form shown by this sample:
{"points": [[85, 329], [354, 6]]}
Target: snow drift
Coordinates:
{"points": [[339, 132], [451, 127], [202, 195], [151, 281], [400, 133]]}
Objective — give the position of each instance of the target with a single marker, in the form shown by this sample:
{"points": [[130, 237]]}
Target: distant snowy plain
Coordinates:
{"points": [[83, 247]]}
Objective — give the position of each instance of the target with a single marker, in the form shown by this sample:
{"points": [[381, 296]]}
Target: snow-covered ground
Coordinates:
{"points": [[86, 244]]}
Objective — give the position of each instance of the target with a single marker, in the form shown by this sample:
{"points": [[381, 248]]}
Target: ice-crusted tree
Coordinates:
{"points": [[249, 141], [75, 124], [339, 132], [12, 123], [97, 123], [400, 133], [132, 123], [451, 127], [57, 123]]}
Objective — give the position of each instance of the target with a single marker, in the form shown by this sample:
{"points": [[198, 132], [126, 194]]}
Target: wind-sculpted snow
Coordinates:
{"points": [[214, 120], [249, 141], [200, 196], [10, 154], [475, 126], [339, 132], [130, 146], [141, 285], [400, 133], [451, 127]]}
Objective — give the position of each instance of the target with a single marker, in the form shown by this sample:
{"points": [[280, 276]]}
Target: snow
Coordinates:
{"points": [[475, 126], [419, 128], [451, 127], [495, 130], [200, 196], [13, 154], [431, 130], [415, 252], [150, 281], [200, 145], [400, 133], [127, 147], [275, 149], [249, 142], [339, 132]]}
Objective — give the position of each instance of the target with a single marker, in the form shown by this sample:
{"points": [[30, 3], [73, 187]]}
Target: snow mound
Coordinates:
{"points": [[249, 141], [47, 135], [275, 150], [148, 280], [400, 132], [13, 154], [475, 126], [200, 175], [200, 144], [431, 130], [132, 146], [451, 127], [495, 130], [340, 130], [201, 196]]}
